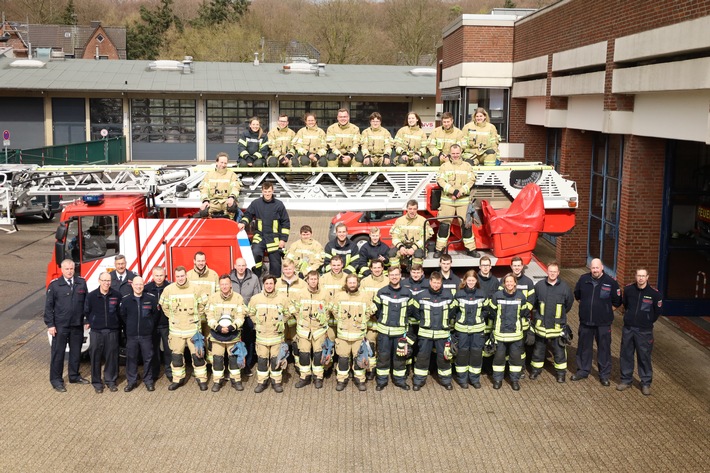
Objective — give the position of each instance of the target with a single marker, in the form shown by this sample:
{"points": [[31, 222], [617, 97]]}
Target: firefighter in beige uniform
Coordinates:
{"points": [[409, 237], [207, 280], [376, 143], [352, 309], [281, 144], [310, 145], [482, 140], [269, 310], [225, 316], [343, 139], [311, 328], [442, 139], [219, 190], [184, 305], [370, 285], [292, 287], [306, 253], [410, 142], [456, 179], [333, 282]]}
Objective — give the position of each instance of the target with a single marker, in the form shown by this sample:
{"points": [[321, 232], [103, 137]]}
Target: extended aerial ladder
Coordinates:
{"points": [[334, 189]]}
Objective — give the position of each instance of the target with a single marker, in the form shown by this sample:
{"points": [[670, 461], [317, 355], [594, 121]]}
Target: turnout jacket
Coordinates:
{"points": [[510, 310], [270, 312], [219, 185], [292, 290], [642, 306], [410, 140], [184, 306], [369, 253], [101, 310], [455, 179], [392, 306], [440, 140], [597, 299], [450, 282], [253, 143], [307, 254], [281, 141], [471, 310], [343, 139], [139, 314], [208, 281], [229, 311], [409, 232], [272, 222], [434, 311], [376, 142], [348, 251], [310, 140], [64, 306], [479, 139], [352, 311], [312, 313], [553, 302]]}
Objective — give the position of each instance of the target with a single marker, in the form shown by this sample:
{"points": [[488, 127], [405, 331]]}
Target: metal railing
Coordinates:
{"points": [[108, 151]]}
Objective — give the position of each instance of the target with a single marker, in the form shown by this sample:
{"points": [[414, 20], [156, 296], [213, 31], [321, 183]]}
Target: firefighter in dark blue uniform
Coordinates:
{"points": [[469, 326], [122, 277], [139, 314], [162, 329], [345, 247], [373, 250], [490, 285], [101, 313], [554, 300], [642, 305], [598, 295], [433, 309], [392, 302], [63, 315], [272, 229]]}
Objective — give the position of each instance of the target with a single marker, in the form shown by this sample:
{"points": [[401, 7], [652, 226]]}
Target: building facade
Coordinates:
{"points": [[615, 95]]}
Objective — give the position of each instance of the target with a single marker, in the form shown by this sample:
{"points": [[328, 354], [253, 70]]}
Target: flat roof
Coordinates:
{"points": [[83, 75]]}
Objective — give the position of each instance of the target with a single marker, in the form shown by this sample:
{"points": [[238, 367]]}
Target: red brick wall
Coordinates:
{"points": [[641, 207], [534, 137], [582, 22], [479, 44], [576, 164], [106, 47]]}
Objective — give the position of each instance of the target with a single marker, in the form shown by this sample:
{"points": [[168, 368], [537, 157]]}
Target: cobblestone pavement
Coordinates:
{"points": [[545, 426]]}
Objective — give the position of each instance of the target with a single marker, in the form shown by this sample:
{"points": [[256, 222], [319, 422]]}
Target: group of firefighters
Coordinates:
{"points": [[342, 144]]}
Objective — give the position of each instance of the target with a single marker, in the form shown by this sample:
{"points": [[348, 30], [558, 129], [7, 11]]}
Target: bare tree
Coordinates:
{"points": [[416, 27]]}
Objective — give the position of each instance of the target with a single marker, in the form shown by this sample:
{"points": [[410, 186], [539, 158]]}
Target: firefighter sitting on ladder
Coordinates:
{"points": [[219, 190]]}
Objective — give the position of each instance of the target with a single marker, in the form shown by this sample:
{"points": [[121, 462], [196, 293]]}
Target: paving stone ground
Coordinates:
{"points": [[546, 426]]}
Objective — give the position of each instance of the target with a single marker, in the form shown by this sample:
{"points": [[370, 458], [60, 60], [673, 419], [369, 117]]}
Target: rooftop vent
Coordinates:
{"points": [[423, 72], [27, 64], [184, 66], [303, 67]]}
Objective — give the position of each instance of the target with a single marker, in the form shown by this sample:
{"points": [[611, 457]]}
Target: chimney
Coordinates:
{"points": [[95, 24]]}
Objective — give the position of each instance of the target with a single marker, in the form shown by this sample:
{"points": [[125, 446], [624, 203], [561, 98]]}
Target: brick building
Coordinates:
{"points": [[615, 95]]}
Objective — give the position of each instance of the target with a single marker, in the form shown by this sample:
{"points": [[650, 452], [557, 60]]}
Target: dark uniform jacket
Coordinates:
{"points": [[471, 311], [251, 144], [392, 306], [348, 251], [434, 312], [64, 306], [157, 291], [553, 301], [597, 299], [272, 221], [415, 287], [369, 252], [490, 285], [643, 306], [124, 286], [139, 314], [451, 283], [101, 310], [511, 310]]}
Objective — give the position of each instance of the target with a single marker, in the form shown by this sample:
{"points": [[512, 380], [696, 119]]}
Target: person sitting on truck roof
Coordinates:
{"points": [[410, 142], [272, 229], [306, 253], [409, 235], [281, 144], [442, 139], [252, 147], [219, 190], [456, 179], [343, 139], [482, 140], [376, 143], [309, 143]]}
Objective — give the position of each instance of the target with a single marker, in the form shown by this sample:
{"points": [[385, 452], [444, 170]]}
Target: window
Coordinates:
{"points": [[607, 152], [553, 153], [325, 112], [688, 223], [495, 101], [228, 119], [393, 114], [91, 238], [100, 38], [108, 114], [163, 129]]}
